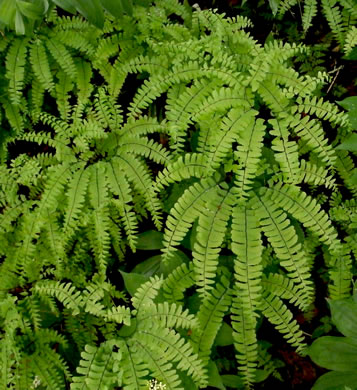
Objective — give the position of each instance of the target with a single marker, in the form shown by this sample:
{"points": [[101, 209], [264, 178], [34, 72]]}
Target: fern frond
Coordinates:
{"points": [[211, 229], [168, 316], [310, 11], [146, 293], [233, 127], [210, 317], [145, 148], [313, 136], [160, 367], [76, 195], [306, 210], [83, 80], [334, 18], [186, 166], [40, 65], [351, 40], [285, 288], [281, 317], [137, 173], [284, 240], [14, 116], [248, 155], [247, 246], [63, 86], [315, 175], [322, 109], [134, 369], [185, 211], [108, 113], [15, 68], [96, 368], [63, 57], [174, 347], [66, 293], [341, 274], [286, 153], [120, 187], [177, 282]]}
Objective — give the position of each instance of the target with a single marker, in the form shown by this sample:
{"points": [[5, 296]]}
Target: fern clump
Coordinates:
{"points": [[221, 143]]}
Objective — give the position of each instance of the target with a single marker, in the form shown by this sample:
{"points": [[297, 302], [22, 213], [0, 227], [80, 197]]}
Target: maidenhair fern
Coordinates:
{"points": [[221, 144], [341, 16]]}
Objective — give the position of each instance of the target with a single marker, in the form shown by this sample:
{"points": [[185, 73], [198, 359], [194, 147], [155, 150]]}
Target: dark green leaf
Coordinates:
{"points": [[150, 240], [31, 10], [133, 281], [274, 5], [344, 316], [336, 381], [224, 336], [349, 144], [176, 259], [67, 5], [91, 10], [334, 353], [7, 11], [350, 104], [127, 6], [214, 379], [114, 7], [233, 381], [19, 24], [149, 266]]}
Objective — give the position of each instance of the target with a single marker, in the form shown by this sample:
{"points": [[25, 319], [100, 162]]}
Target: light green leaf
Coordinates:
{"points": [[133, 281], [334, 353], [336, 381], [344, 316]]}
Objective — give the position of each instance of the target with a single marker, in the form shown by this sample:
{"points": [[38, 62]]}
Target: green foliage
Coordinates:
{"points": [[192, 128], [338, 353], [340, 15]]}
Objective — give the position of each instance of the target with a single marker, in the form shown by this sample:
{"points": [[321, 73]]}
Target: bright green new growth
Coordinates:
{"points": [[238, 130]]}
